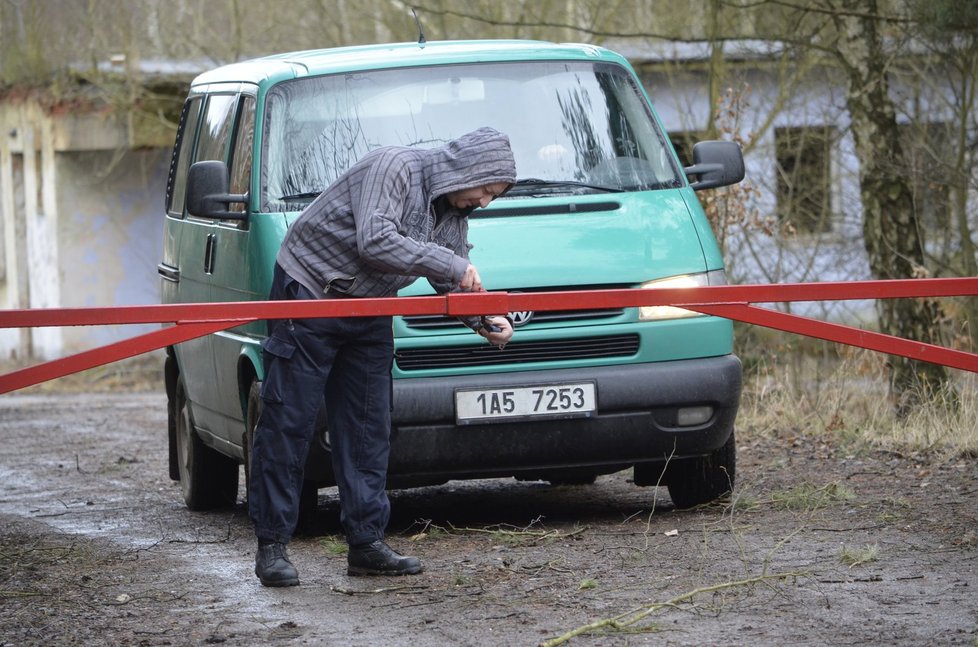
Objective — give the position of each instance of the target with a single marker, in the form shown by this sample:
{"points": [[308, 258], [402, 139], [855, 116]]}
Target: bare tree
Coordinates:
{"points": [[945, 133], [891, 232]]}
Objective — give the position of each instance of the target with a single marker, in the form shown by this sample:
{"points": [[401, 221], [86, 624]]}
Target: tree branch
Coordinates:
{"points": [[628, 618]]}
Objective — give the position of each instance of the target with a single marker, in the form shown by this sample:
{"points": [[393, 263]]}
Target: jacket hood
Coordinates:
{"points": [[475, 159]]}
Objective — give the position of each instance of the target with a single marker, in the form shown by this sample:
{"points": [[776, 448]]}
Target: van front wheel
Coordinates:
{"points": [[208, 479], [252, 413], [694, 481]]}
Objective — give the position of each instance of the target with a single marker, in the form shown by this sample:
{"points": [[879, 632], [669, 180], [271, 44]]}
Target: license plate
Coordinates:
{"points": [[543, 401]]}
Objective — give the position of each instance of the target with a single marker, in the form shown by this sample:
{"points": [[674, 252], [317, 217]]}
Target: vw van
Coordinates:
{"points": [[602, 201]]}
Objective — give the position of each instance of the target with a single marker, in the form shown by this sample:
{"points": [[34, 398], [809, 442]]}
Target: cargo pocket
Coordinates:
{"points": [[277, 347], [291, 394]]}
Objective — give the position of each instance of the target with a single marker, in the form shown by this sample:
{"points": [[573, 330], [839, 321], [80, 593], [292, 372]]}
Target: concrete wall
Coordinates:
{"points": [[111, 235], [81, 215], [30, 221]]}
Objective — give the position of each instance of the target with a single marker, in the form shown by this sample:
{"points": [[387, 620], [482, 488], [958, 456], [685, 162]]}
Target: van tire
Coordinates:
{"points": [[208, 479], [170, 374], [252, 413], [695, 481]]}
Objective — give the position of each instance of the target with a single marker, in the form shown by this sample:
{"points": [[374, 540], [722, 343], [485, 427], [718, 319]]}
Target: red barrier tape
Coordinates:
{"points": [[729, 301]]}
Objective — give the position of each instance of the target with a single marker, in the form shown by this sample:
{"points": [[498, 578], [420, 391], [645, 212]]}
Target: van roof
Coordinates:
{"points": [[366, 57]]}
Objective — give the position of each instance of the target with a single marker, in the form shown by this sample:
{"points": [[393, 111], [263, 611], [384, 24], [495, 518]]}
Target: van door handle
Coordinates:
{"points": [[209, 254], [168, 272]]}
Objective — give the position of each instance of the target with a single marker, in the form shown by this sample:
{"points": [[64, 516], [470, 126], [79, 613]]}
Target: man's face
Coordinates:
{"points": [[479, 196]]}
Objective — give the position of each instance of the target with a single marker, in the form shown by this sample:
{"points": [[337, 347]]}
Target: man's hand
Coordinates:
{"points": [[470, 280], [504, 334]]}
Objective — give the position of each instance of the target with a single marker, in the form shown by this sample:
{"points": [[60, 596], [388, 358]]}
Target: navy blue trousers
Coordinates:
{"points": [[347, 361]]}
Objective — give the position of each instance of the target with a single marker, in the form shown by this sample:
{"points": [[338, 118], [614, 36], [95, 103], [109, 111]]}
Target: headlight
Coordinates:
{"points": [[660, 313]]}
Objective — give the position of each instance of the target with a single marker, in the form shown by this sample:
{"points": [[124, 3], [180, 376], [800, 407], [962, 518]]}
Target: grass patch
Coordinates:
{"points": [[841, 395], [809, 497], [142, 373], [334, 545], [853, 557]]}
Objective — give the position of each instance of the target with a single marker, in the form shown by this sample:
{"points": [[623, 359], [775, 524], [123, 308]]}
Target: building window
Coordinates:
{"points": [[926, 148], [804, 178]]}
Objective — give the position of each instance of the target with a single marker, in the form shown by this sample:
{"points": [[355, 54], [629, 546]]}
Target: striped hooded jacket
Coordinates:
{"points": [[373, 231]]}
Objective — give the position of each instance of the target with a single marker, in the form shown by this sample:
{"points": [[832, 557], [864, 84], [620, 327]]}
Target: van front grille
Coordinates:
{"points": [[420, 359], [441, 322]]}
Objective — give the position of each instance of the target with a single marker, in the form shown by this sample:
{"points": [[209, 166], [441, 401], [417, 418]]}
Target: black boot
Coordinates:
{"points": [[378, 558], [272, 566]]}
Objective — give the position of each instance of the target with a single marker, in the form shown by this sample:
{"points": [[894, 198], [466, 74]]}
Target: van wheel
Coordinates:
{"points": [[208, 479], [694, 481], [252, 413], [170, 371], [309, 496]]}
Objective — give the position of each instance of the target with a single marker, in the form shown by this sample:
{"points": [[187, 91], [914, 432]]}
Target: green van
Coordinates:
{"points": [[602, 201]]}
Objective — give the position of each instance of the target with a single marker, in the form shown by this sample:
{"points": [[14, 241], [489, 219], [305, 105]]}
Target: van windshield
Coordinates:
{"points": [[575, 127]]}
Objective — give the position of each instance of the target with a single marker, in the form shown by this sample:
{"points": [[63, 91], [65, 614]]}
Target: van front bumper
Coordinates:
{"points": [[635, 422]]}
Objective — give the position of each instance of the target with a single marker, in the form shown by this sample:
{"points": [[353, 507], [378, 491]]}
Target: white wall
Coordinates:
{"points": [[111, 235], [80, 224]]}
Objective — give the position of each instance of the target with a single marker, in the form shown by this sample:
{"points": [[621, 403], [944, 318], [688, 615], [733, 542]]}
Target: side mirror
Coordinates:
{"points": [[207, 192], [715, 163]]}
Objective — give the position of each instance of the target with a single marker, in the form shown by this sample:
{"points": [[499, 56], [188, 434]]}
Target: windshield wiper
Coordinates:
{"points": [[526, 185], [300, 196]]}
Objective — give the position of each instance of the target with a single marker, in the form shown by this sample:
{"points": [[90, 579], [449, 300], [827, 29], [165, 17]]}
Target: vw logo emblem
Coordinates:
{"points": [[521, 318]]}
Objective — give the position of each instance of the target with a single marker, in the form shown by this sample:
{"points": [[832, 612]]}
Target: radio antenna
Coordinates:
{"points": [[421, 40]]}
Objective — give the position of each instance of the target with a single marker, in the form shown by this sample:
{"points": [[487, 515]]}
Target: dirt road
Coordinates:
{"points": [[820, 545]]}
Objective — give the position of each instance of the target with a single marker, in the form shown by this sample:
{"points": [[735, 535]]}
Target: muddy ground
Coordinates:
{"points": [[821, 544]]}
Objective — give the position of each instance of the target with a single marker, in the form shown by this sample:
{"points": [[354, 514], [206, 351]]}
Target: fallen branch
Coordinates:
{"points": [[499, 531], [384, 589], [19, 594], [625, 620], [536, 535]]}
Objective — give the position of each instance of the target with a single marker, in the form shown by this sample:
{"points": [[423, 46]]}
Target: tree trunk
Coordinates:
{"points": [[968, 62], [890, 228]]}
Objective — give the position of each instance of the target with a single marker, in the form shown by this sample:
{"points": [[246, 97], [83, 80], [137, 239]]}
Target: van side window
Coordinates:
{"points": [[244, 139], [180, 163], [216, 130]]}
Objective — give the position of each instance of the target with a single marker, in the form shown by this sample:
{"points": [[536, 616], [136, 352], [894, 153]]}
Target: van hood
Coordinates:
{"points": [[598, 240]]}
